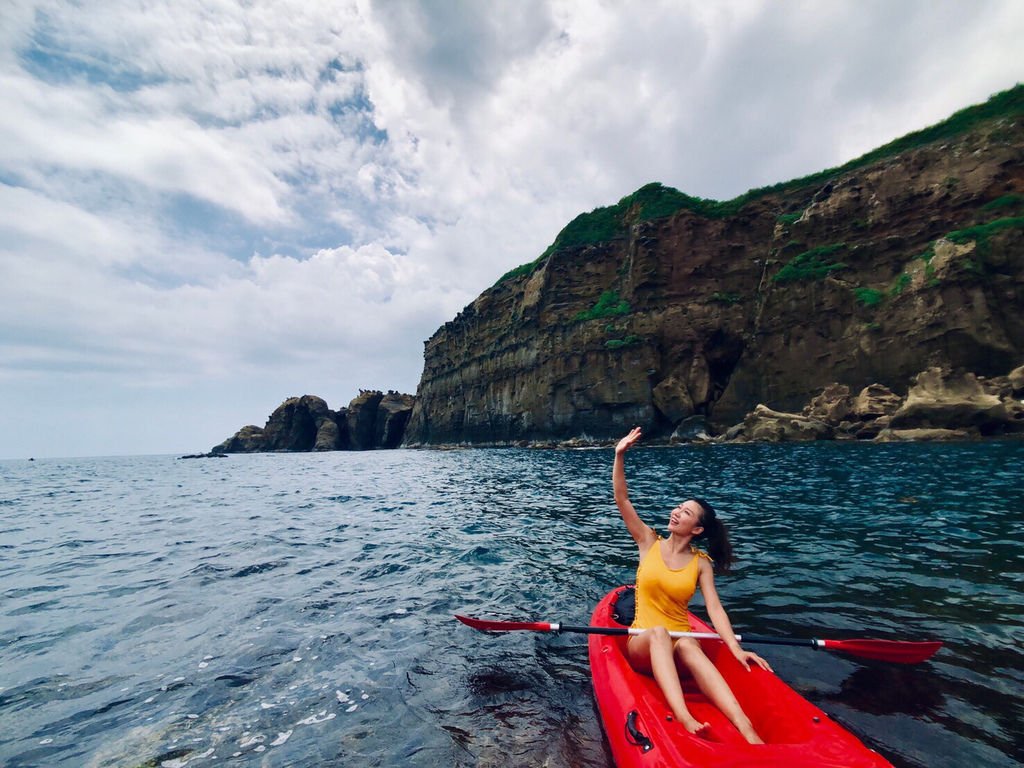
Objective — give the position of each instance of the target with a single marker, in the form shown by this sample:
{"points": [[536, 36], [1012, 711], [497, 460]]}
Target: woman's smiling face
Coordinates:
{"points": [[686, 519]]}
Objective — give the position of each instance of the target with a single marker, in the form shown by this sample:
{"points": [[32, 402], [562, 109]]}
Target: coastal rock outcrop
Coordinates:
{"points": [[361, 419], [941, 405], [932, 435], [939, 399], [393, 414], [875, 401], [328, 436], [248, 439], [1016, 381], [765, 425], [372, 420], [663, 306], [293, 426]]}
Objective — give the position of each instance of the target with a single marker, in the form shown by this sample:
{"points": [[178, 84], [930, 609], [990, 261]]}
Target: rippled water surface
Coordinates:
{"points": [[296, 609]]}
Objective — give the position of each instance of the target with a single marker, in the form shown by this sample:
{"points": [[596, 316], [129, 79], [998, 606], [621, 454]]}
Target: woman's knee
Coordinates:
{"points": [[643, 648], [655, 641], [660, 638], [688, 650]]}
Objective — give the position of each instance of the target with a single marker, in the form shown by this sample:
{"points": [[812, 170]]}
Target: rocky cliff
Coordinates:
{"points": [[665, 306], [372, 420]]}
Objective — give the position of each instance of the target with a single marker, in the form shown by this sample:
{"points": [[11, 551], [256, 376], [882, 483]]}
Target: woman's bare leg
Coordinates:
{"points": [[651, 653], [689, 655]]}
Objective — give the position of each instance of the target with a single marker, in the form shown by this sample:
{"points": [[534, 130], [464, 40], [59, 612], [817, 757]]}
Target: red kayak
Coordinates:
{"points": [[641, 731]]}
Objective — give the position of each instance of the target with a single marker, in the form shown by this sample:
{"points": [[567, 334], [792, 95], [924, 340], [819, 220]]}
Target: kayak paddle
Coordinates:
{"points": [[898, 651]]}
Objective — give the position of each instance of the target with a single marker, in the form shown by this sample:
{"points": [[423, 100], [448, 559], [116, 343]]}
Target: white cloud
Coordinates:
{"points": [[244, 201], [278, 308]]}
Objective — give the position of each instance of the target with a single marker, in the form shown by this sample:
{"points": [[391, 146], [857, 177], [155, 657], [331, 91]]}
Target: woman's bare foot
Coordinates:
{"points": [[696, 727]]}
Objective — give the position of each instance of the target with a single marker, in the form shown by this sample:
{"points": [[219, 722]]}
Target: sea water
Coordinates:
{"points": [[297, 609]]}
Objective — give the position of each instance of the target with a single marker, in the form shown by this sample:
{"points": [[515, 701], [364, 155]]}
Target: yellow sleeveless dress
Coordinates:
{"points": [[663, 594]]}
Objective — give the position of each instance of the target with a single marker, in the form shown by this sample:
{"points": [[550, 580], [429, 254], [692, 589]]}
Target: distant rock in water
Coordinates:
{"points": [[361, 420], [293, 426], [372, 420], [247, 440]]}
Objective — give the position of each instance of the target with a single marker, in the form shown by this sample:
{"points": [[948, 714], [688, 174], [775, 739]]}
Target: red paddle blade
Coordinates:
{"points": [[898, 651], [505, 626]]}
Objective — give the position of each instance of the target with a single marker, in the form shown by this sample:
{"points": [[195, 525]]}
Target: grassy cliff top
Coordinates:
{"points": [[653, 201]]}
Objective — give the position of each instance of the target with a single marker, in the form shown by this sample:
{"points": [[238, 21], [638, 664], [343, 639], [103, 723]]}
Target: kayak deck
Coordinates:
{"points": [[641, 732]]}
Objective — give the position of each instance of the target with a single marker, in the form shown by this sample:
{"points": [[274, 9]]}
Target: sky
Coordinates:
{"points": [[209, 206]]}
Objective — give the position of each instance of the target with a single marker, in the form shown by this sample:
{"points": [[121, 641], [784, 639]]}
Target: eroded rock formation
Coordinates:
{"points": [[940, 405], [372, 420]]}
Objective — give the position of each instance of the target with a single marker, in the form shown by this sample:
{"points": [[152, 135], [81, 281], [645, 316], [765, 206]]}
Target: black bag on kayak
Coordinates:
{"points": [[625, 606]]}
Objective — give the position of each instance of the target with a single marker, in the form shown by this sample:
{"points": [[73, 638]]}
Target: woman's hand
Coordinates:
{"points": [[628, 441], [746, 658], [642, 534]]}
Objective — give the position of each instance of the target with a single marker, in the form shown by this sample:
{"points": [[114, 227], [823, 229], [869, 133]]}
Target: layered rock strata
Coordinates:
{"points": [[871, 274]]}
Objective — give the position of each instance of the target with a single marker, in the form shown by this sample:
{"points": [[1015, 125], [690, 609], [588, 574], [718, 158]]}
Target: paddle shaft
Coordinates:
{"points": [[899, 651], [555, 627]]}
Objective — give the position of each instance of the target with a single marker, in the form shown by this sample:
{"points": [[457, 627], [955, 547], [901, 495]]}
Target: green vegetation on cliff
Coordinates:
{"points": [[978, 234], [651, 201], [522, 269], [629, 341], [814, 264], [869, 297], [899, 284], [873, 297], [655, 200], [608, 305], [981, 233], [1011, 201]]}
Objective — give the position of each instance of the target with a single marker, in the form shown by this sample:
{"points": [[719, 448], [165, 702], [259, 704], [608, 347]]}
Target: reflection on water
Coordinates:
{"points": [[297, 609], [891, 689]]}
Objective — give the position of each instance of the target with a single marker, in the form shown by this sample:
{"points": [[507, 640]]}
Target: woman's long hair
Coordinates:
{"points": [[716, 534]]}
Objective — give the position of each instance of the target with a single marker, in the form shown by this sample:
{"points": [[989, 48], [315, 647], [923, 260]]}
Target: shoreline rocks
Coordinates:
{"points": [[941, 404]]}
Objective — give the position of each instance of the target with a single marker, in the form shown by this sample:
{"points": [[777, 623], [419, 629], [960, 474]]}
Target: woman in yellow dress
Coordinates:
{"points": [[669, 572]]}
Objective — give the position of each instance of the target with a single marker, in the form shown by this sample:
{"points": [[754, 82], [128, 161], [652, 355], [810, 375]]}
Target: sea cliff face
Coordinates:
{"points": [[869, 274]]}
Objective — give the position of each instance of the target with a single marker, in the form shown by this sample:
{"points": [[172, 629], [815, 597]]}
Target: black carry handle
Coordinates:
{"points": [[633, 734]]}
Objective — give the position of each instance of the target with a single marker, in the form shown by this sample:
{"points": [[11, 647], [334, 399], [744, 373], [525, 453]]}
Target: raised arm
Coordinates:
{"points": [[642, 534]]}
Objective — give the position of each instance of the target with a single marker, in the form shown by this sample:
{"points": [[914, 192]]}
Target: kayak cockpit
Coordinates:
{"points": [[641, 730]]}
